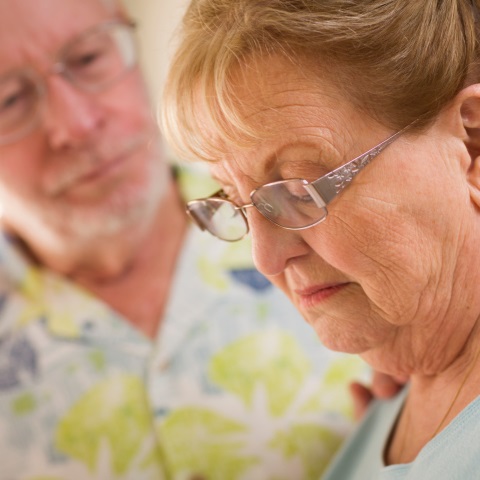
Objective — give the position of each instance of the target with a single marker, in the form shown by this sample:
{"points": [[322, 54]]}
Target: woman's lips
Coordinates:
{"points": [[312, 296]]}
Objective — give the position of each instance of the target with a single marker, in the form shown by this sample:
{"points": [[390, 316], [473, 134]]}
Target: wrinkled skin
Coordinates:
{"points": [[384, 274], [88, 175], [88, 191], [393, 272]]}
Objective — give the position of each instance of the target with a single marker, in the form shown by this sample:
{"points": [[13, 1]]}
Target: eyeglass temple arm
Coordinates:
{"points": [[326, 188]]}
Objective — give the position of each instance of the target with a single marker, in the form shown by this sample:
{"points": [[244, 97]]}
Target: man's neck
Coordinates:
{"points": [[131, 271], [139, 291]]}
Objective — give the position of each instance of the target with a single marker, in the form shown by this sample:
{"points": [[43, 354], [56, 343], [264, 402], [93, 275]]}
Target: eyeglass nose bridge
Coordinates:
{"points": [[243, 208], [58, 68], [265, 209]]}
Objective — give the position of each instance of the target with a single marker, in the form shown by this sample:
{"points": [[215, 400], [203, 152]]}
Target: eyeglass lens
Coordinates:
{"points": [[288, 204], [220, 217], [19, 101], [99, 57], [93, 61]]}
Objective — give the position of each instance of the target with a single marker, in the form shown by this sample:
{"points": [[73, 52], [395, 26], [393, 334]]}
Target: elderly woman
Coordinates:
{"points": [[346, 137]]}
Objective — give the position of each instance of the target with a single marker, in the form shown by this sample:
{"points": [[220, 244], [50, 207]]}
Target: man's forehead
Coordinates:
{"points": [[32, 31]]}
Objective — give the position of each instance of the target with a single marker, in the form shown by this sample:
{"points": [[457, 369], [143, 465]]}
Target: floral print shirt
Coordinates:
{"points": [[235, 387]]}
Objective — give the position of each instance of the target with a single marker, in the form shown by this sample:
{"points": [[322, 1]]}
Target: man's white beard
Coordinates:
{"points": [[131, 207], [76, 232]]}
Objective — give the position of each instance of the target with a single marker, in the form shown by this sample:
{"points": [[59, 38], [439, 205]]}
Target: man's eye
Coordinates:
{"points": [[9, 101], [17, 99], [11, 95], [86, 59], [92, 56]]}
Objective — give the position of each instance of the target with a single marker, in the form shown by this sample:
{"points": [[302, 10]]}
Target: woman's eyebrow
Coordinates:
{"points": [[322, 157]]}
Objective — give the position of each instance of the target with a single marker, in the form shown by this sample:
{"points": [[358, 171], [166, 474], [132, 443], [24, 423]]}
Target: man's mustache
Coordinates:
{"points": [[86, 161]]}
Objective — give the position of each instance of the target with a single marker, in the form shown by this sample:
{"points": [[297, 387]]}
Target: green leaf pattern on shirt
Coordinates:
{"points": [[267, 366], [111, 413]]}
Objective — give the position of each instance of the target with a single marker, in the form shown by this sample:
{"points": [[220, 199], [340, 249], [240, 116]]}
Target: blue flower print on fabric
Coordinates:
{"points": [[252, 278], [17, 357]]}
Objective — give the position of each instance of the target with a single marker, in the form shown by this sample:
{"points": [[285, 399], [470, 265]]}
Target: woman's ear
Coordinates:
{"points": [[474, 181], [470, 113], [470, 117]]}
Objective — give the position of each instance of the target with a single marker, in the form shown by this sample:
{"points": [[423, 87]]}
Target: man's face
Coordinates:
{"points": [[90, 167]]}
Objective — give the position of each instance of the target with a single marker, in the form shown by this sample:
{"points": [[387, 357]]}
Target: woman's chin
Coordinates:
{"points": [[340, 338]]}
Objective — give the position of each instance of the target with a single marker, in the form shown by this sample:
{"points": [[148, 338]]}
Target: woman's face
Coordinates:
{"points": [[378, 275]]}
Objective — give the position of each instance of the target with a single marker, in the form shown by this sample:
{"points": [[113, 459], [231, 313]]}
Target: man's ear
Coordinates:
{"points": [[469, 99]]}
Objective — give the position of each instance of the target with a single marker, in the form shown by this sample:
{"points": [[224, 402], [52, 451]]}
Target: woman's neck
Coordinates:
{"points": [[433, 401]]}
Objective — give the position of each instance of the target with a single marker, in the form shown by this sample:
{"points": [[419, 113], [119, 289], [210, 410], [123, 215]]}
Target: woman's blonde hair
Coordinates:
{"points": [[396, 59]]}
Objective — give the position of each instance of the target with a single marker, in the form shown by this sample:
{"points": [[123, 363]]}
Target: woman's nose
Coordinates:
{"points": [[71, 115], [273, 247]]}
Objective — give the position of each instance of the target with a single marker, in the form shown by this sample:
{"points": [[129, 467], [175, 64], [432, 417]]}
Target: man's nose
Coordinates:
{"points": [[71, 115], [273, 247]]}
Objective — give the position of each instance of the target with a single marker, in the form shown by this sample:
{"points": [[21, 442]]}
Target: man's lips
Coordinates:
{"points": [[316, 294], [89, 166], [100, 171]]}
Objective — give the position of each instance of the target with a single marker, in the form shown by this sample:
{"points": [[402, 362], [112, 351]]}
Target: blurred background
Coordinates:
{"points": [[157, 20]]}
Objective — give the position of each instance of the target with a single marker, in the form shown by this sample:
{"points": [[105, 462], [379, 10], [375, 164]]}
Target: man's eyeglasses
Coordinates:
{"points": [[293, 204], [93, 61]]}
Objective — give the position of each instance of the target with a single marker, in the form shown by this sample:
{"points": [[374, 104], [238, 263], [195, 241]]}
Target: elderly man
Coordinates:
{"points": [[130, 346]]}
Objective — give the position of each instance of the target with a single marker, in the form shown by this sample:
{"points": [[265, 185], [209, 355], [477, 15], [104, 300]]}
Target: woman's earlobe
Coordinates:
{"points": [[474, 180], [470, 118], [470, 112], [469, 99]]}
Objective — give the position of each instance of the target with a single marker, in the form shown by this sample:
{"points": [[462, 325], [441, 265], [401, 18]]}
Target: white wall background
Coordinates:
{"points": [[157, 20]]}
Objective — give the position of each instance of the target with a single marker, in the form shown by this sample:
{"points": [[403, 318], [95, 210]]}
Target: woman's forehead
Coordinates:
{"points": [[275, 98], [272, 81], [300, 119]]}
